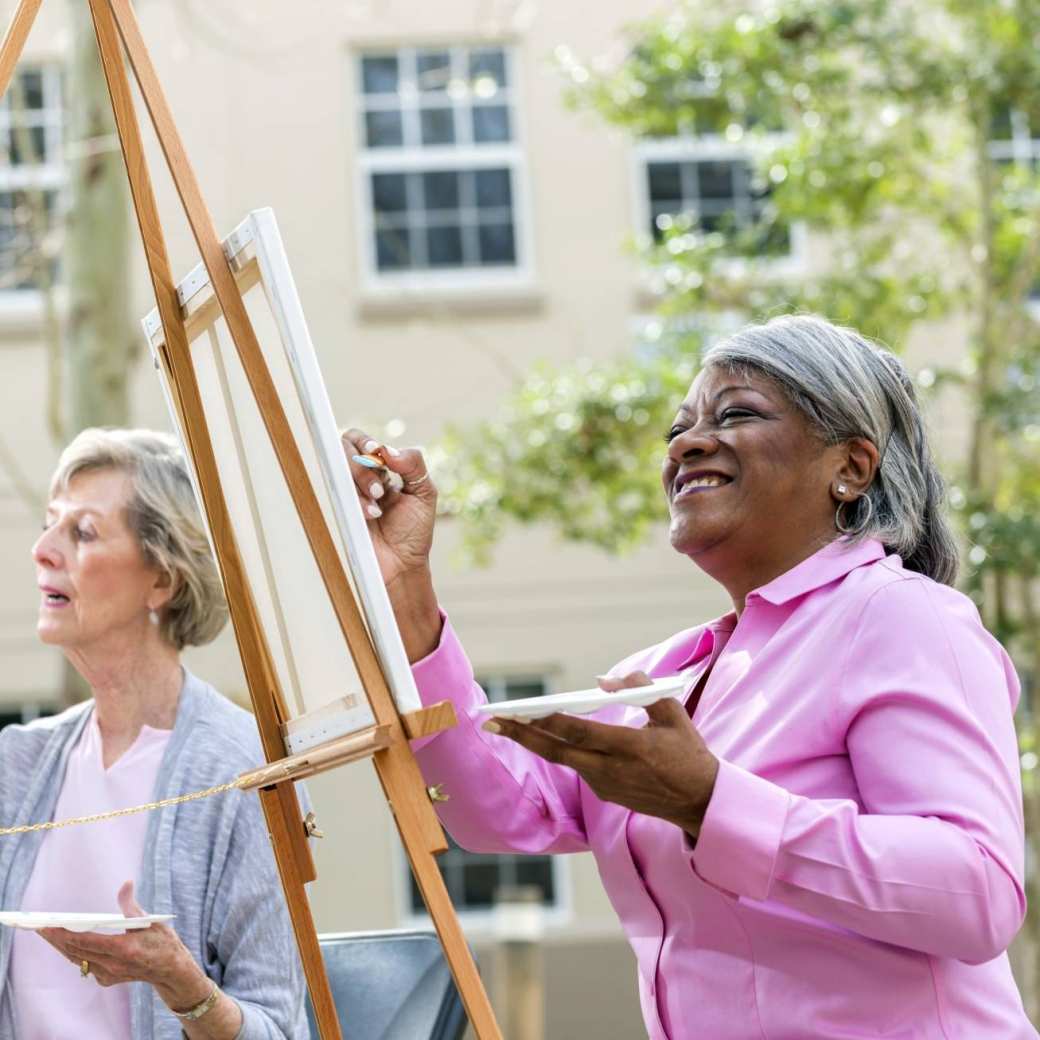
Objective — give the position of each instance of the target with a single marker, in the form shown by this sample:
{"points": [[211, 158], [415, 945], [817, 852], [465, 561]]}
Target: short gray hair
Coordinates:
{"points": [[164, 515], [847, 386]]}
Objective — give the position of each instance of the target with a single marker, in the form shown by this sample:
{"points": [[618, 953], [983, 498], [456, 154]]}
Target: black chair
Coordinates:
{"points": [[391, 986]]}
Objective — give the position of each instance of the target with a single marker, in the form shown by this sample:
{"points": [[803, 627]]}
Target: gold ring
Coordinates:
{"points": [[84, 968], [415, 483]]}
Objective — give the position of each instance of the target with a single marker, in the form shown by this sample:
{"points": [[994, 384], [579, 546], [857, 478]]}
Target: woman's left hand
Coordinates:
{"points": [[154, 954], [663, 769]]}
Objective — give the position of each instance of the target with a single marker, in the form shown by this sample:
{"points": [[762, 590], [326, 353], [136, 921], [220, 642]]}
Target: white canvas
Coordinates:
{"points": [[308, 649]]}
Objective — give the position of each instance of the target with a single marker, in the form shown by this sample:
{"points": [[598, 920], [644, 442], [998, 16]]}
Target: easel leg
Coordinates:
{"points": [[14, 41], [300, 914], [408, 816]]}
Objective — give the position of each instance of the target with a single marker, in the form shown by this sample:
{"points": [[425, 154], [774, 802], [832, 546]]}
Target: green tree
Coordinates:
{"points": [[875, 125], [879, 126]]}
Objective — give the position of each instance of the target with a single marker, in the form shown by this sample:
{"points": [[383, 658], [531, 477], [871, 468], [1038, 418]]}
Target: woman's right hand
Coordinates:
{"points": [[400, 517], [400, 521]]}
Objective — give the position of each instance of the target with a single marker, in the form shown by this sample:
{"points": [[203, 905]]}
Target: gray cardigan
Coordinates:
{"points": [[209, 862]]}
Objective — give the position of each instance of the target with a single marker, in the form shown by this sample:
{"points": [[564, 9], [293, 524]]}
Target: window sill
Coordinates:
{"points": [[22, 313], [415, 300]]}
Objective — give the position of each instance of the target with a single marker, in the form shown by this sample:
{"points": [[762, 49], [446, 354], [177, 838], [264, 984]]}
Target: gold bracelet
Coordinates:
{"points": [[195, 1013]]}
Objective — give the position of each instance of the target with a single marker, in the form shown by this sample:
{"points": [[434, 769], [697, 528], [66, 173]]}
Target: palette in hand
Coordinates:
{"points": [[584, 702], [109, 924]]}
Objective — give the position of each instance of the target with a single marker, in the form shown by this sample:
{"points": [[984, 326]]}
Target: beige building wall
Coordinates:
{"points": [[266, 100]]}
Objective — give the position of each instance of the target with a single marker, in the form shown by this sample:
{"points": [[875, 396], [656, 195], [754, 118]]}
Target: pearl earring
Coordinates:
{"points": [[153, 617]]}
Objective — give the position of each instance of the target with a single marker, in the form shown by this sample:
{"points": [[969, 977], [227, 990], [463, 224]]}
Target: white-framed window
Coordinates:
{"points": [[472, 878], [1015, 138], [32, 177], [442, 189], [713, 182], [1015, 141]]}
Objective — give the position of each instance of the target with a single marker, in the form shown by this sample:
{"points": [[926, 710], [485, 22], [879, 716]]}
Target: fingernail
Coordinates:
{"points": [[392, 451], [374, 511], [491, 726], [376, 490], [364, 460], [371, 445]]}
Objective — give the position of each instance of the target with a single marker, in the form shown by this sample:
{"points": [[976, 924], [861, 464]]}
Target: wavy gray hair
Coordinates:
{"points": [[847, 386], [163, 514]]}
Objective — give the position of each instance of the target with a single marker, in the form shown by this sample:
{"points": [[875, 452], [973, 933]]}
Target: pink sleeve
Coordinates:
{"points": [[934, 858], [501, 798]]}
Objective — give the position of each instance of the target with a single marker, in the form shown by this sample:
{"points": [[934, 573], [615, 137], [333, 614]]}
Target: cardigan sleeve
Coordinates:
{"points": [[931, 856], [253, 937]]}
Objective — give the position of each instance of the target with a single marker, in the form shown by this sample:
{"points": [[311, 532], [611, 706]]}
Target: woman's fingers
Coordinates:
{"points": [[381, 472], [545, 744], [369, 480], [613, 683], [127, 903]]}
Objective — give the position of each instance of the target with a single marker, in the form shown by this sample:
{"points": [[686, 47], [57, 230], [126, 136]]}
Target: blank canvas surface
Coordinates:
{"points": [[308, 649]]}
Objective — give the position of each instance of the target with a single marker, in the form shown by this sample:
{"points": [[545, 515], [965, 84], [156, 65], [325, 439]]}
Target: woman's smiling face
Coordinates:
{"points": [[748, 480]]}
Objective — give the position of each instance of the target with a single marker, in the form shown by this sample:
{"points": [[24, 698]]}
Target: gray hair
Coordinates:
{"points": [[164, 516], [847, 386]]}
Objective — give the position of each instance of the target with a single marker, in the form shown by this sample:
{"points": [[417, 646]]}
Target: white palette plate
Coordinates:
{"points": [[109, 924], [584, 702]]}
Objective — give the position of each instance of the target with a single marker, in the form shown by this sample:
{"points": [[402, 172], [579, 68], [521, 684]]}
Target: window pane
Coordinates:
{"points": [[487, 68], [379, 75], [1001, 129], [441, 190], [496, 244], [37, 142], [21, 245], [438, 126], [715, 180], [389, 194], [31, 83], [490, 123], [518, 688], [383, 129], [434, 69], [444, 246], [481, 879], [536, 870], [665, 182], [392, 249], [493, 189]]}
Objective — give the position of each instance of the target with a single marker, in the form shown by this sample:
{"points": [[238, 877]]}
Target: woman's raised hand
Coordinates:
{"points": [[400, 513], [400, 510]]}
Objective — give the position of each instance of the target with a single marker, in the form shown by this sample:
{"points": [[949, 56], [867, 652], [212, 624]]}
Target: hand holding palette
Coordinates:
{"points": [[107, 924]]}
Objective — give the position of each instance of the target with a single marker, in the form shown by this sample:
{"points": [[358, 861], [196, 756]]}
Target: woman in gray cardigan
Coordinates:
{"points": [[126, 581]]}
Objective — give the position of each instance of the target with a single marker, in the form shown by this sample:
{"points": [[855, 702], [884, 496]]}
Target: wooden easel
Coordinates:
{"points": [[386, 743]]}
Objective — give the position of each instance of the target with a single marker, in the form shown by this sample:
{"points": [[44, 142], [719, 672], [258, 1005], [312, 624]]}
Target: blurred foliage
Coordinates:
{"points": [[872, 124]]}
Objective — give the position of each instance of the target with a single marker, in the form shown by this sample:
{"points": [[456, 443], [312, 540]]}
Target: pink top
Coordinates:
{"points": [[859, 870], [80, 869]]}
